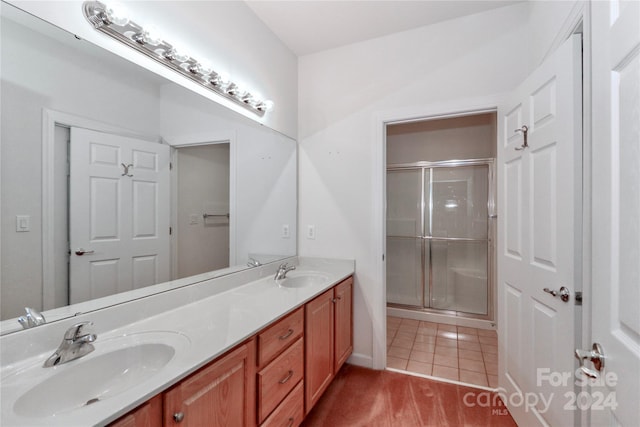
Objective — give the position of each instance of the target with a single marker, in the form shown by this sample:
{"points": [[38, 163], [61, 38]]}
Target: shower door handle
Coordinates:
{"points": [[563, 292]]}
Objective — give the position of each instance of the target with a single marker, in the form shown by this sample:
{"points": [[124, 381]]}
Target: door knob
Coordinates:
{"points": [[563, 292], [596, 356], [81, 252]]}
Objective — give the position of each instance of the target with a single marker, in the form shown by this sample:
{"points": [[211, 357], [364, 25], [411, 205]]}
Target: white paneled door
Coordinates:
{"points": [[118, 214], [615, 270], [539, 209]]}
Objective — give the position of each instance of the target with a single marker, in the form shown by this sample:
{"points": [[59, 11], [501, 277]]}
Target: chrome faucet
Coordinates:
{"points": [[283, 270], [253, 263], [75, 344], [32, 319]]}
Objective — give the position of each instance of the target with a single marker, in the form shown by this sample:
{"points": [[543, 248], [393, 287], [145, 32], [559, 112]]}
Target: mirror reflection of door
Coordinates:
{"points": [[118, 214], [202, 213]]}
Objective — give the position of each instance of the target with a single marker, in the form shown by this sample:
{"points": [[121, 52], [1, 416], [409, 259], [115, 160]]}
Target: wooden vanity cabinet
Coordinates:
{"points": [[149, 414], [328, 338], [272, 379], [222, 394]]}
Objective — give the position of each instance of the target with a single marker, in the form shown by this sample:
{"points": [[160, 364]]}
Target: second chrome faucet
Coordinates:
{"points": [[283, 270]]}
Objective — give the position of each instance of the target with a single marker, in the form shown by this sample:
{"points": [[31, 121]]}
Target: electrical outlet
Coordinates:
{"points": [[311, 232], [285, 231], [193, 219]]}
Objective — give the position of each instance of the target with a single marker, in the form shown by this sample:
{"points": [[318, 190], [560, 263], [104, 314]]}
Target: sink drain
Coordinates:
{"points": [[90, 401]]}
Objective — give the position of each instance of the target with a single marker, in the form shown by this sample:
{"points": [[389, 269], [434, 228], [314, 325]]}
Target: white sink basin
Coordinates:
{"points": [[302, 280], [118, 365]]}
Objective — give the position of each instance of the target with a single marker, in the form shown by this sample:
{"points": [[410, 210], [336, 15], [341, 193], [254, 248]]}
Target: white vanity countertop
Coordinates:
{"points": [[212, 326]]}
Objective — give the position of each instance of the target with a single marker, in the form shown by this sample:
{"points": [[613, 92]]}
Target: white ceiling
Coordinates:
{"points": [[308, 26]]}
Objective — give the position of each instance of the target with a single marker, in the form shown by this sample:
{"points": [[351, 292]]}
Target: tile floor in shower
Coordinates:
{"points": [[458, 353]]}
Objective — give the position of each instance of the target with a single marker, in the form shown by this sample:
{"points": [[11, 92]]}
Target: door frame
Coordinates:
{"points": [[452, 109], [208, 138], [51, 119]]}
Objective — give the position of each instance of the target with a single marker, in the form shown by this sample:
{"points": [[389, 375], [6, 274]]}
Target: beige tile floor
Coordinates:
{"points": [[453, 352]]}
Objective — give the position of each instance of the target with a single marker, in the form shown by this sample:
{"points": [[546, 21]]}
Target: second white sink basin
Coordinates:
{"points": [[122, 363], [302, 280]]}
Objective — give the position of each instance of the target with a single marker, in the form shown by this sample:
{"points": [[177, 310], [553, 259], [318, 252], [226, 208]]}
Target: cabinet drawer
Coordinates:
{"points": [[278, 378], [279, 336], [290, 412]]}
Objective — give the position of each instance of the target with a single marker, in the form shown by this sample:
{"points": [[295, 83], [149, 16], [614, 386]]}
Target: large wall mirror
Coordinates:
{"points": [[117, 183]]}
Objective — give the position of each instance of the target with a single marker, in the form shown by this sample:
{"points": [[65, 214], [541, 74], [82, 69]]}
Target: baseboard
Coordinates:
{"points": [[362, 360]]}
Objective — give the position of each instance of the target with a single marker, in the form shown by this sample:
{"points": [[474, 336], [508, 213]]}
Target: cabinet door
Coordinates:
{"points": [[318, 347], [221, 394], [343, 297], [149, 414]]}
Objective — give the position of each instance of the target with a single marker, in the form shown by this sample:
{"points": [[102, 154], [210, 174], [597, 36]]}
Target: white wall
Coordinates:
{"points": [[344, 89], [227, 33]]}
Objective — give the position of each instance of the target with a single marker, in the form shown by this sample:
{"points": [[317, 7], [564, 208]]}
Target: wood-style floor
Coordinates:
{"points": [[365, 397]]}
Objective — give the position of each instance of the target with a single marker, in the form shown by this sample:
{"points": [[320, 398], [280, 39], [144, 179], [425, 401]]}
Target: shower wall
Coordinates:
{"points": [[468, 137]]}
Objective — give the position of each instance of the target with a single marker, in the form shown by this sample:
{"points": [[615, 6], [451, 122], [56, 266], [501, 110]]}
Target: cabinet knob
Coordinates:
{"points": [[178, 416]]}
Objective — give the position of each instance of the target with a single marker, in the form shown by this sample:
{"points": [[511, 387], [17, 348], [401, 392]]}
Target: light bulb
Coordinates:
{"points": [[204, 68], [176, 55], [233, 89], [117, 14], [151, 36], [266, 105], [216, 80]]}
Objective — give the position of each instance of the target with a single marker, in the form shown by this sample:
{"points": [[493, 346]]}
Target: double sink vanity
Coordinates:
{"points": [[242, 349]]}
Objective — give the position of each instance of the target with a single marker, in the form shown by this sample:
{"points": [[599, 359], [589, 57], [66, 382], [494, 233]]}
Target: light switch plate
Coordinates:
{"points": [[23, 223]]}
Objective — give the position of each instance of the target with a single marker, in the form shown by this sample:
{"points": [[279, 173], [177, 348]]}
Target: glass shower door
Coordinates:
{"points": [[458, 231], [405, 246]]}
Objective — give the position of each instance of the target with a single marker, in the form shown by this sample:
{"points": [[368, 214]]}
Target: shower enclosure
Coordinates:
{"points": [[438, 236]]}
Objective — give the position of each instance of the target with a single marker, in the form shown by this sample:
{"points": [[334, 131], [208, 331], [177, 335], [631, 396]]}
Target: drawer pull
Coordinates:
{"points": [[287, 378], [290, 422], [287, 335]]}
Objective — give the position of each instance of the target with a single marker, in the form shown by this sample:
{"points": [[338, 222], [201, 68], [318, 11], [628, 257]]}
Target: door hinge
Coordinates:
{"points": [[170, 166], [170, 231], [578, 297]]}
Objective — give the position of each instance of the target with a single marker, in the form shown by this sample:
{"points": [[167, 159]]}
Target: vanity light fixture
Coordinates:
{"points": [[117, 25]]}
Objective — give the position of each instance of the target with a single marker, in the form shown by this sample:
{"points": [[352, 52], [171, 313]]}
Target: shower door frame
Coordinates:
{"points": [[427, 287]]}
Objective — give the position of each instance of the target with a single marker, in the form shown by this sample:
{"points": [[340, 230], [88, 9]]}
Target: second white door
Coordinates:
{"points": [[539, 239]]}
